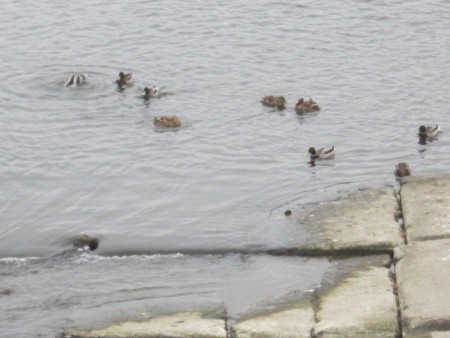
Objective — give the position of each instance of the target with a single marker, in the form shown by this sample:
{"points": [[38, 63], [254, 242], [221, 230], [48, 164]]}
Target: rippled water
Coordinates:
{"points": [[88, 159]]}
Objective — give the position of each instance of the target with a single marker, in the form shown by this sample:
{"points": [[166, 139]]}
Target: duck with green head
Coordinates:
{"points": [[150, 92], [322, 153], [428, 131]]}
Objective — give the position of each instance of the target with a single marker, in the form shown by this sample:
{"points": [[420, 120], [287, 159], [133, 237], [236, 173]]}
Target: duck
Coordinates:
{"points": [[402, 169], [304, 106], [428, 131], [150, 92], [75, 80], [167, 121], [274, 101], [322, 153], [124, 79], [83, 241]]}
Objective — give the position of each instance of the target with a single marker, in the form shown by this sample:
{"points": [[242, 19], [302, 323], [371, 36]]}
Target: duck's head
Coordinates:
{"points": [[422, 129], [93, 244], [312, 151], [146, 91], [280, 102], [300, 101], [121, 76]]}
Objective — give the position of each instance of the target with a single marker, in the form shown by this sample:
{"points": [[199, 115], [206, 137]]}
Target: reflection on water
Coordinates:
{"points": [[89, 160]]}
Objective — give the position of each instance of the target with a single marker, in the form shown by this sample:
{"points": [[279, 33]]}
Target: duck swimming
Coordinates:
{"points": [[83, 241], [124, 79], [167, 121], [75, 80], [303, 106], [150, 92], [428, 131], [322, 153], [402, 169], [274, 101]]}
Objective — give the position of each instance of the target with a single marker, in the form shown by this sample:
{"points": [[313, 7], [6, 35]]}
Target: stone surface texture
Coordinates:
{"points": [[362, 305], [364, 221], [292, 323], [182, 325], [423, 279], [426, 207]]}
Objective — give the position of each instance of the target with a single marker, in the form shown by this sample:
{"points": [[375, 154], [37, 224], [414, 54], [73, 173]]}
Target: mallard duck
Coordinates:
{"points": [[150, 92], [83, 241], [428, 131], [167, 121], [75, 80], [124, 79], [402, 169], [322, 153], [274, 101], [303, 106]]}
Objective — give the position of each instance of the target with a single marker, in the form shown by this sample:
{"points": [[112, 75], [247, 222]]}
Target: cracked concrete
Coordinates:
{"points": [[366, 302]]}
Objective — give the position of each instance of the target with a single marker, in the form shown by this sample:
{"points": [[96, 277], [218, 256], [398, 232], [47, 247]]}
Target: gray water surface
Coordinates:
{"points": [[89, 160]]}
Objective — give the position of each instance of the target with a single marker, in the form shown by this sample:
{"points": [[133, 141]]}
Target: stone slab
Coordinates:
{"points": [[291, 323], [432, 334], [362, 222], [362, 305], [181, 325], [426, 207], [423, 280]]}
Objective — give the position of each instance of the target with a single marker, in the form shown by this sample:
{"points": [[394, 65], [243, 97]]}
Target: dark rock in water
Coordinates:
{"points": [[402, 169], [288, 213], [86, 241]]}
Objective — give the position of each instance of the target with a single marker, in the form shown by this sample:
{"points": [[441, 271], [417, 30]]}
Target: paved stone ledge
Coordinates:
{"points": [[181, 325], [292, 323], [362, 305], [434, 334], [426, 207], [424, 287], [363, 222]]}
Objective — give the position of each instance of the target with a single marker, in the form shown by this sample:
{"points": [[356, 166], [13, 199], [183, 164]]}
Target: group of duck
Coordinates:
{"points": [[425, 133], [301, 107], [123, 81]]}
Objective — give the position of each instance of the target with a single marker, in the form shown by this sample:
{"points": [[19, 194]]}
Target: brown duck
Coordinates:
{"points": [[402, 169], [278, 102], [167, 121], [306, 106]]}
